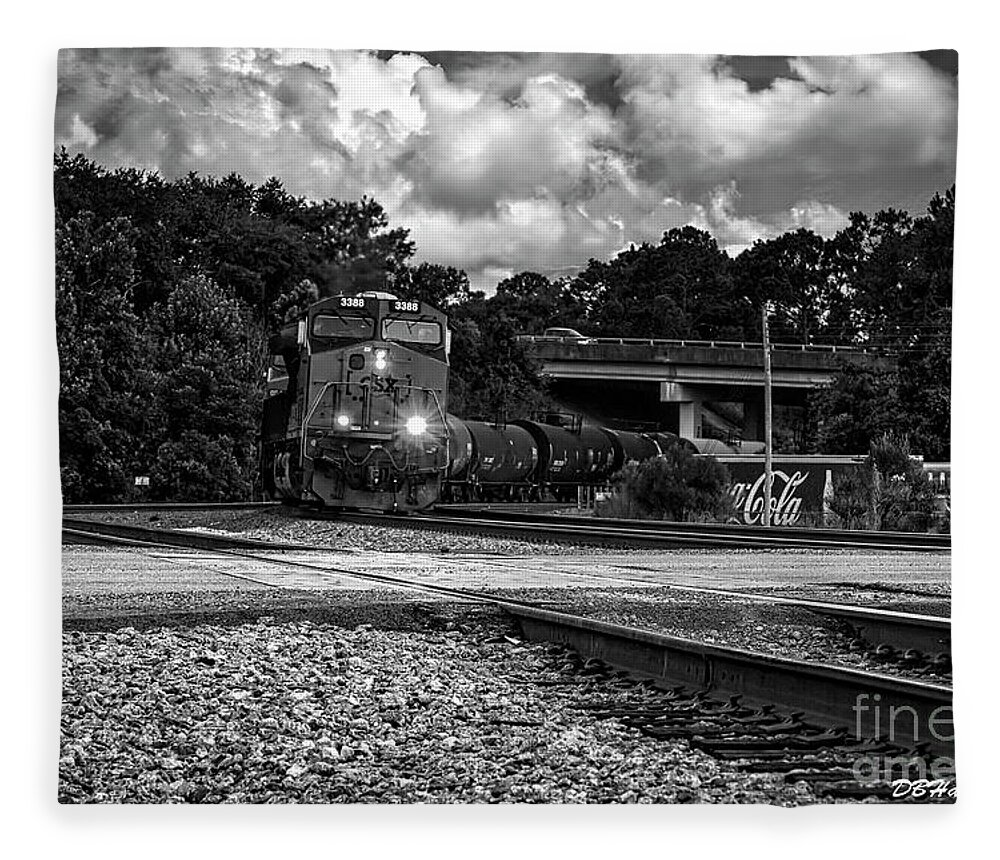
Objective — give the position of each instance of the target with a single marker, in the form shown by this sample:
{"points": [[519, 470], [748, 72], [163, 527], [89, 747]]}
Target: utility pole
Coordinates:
{"points": [[768, 472]]}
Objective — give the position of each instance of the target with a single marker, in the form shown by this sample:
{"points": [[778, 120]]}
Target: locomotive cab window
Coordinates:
{"points": [[345, 327], [277, 374], [421, 332]]}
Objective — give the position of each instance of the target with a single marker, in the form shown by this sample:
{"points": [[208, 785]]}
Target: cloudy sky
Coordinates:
{"points": [[506, 162]]}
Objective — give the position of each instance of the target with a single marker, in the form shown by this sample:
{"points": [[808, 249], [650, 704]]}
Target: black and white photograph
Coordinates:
{"points": [[505, 427]]}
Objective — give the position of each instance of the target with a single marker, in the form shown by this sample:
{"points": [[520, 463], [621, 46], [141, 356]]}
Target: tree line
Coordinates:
{"points": [[166, 292]]}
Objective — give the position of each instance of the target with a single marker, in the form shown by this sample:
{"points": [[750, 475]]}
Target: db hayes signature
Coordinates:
{"points": [[924, 789]]}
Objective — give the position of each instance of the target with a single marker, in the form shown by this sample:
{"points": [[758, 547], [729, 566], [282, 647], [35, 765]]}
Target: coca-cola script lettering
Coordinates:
{"points": [[786, 504]]}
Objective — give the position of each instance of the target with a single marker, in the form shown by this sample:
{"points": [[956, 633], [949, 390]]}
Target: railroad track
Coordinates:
{"points": [[171, 506], [479, 519], [737, 703], [645, 533]]}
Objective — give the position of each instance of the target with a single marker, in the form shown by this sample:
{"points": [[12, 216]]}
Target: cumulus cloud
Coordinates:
{"points": [[477, 150], [850, 131], [315, 119], [505, 162]]}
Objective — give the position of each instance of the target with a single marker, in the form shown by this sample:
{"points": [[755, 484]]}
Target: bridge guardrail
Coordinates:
{"points": [[730, 344]]}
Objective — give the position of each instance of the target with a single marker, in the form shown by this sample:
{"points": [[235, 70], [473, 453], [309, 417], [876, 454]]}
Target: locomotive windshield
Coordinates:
{"points": [[412, 331], [337, 325], [276, 369]]}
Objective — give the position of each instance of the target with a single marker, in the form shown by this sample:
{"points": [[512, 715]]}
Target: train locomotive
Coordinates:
{"points": [[354, 414]]}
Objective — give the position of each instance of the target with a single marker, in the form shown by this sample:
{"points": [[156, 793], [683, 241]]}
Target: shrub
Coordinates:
{"points": [[95, 463], [677, 486], [853, 500], [197, 468], [892, 492], [903, 496]]}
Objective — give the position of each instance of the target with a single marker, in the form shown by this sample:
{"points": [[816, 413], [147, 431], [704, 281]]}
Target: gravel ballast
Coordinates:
{"points": [[303, 712], [280, 525]]}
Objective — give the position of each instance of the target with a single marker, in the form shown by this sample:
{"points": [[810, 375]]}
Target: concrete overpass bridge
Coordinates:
{"points": [[669, 381]]}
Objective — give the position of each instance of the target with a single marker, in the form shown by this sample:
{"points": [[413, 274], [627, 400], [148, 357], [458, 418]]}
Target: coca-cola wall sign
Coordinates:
{"points": [[798, 487]]}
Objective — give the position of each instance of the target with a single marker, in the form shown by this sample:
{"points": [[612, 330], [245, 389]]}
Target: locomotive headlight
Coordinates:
{"points": [[381, 359], [343, 420], [416, 425]]}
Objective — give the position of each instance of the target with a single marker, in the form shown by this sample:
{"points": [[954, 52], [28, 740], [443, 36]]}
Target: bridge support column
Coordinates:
{"points": [[688, 407], [689, 423]]}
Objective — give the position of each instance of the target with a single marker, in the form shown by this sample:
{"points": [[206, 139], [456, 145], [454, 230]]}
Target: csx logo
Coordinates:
{"points": [[381, 384]]}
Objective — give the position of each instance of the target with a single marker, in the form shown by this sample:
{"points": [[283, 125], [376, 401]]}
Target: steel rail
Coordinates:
{"points": [[929, 634], [169, 506], [868, 705], [629, 533], [199, 540], [902, 631], [819, 535]]}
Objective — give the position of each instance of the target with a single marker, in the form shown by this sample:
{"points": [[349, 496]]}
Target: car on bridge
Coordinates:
{"points": [[566, 334]]}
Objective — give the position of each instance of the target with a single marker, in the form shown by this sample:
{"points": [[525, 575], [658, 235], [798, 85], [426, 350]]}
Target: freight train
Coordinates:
{"points": [[356, 417]]}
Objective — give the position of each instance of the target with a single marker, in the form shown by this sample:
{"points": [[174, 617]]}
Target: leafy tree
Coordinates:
{"points": [[890, 287], [353, 248], [925, 359], [289, 306], [207, 357], [788, 273], [81, 186], [97, 334], [249, 240], [895, 271], [866, 264], [95, 325], [859, 405], [493, 376], [925, 388], [681, 288], [440, 286], [535, 303], [256, 241]]}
